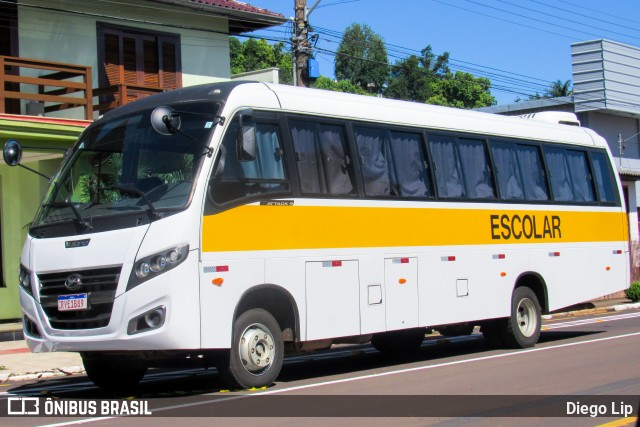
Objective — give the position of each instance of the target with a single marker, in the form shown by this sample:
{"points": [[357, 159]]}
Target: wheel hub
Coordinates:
{"points": [[526, 317], [257, 349]]}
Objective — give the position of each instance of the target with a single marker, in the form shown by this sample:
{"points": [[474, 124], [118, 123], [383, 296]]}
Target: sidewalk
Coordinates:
{"points": [[17, 363]]}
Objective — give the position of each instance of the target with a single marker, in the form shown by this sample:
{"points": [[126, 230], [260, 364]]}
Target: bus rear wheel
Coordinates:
{"points": [[522, 328], [116, 374], [257, 351]]}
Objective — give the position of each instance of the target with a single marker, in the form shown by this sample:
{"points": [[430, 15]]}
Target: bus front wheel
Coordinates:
{"points": [[522, 328], [257, 351]]}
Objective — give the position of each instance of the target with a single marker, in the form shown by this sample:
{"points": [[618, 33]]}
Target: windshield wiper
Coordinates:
{"points": [[78, 218], [153, 213]]}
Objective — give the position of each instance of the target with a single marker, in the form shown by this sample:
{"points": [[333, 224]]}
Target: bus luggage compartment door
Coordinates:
{"points": [[333, 299], [401, 290]]}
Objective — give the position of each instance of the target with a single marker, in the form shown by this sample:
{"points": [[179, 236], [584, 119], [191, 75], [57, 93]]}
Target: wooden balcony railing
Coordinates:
{"points": [[60, 87], [116, 95]]}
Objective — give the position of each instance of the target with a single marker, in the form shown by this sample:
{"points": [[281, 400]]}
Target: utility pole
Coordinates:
{"points": [[301, 47]]}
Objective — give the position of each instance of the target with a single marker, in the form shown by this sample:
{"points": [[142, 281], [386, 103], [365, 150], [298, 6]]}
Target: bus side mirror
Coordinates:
{"points": [[247, 145], [165, 120], [12, 152]]}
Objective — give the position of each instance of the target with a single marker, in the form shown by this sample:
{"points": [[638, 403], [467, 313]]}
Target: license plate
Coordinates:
{"points": [[73, 302]]}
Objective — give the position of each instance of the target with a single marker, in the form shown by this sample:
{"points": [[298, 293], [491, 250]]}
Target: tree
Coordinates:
{"points": [[338, 86], [362, 59], [461, 90], [411, 79], [555, 90], [254, 54], [427, 79], [558, 89]]}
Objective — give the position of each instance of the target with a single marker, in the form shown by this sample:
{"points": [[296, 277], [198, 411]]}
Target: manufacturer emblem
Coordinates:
{"points": [[76, 243], [73, 282]]}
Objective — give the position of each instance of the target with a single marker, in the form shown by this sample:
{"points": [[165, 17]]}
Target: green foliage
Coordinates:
{"points": [[461, 90], [253, 54], [555, 90], [427, 78], [338, 86], [412, 79], [362, 58], [633, 293]]}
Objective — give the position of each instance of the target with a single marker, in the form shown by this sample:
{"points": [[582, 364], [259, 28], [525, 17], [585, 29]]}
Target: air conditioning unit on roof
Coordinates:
{"points": [[558, 117]]}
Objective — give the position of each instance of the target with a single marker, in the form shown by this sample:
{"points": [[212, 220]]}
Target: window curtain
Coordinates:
{"points": [[559, 175], [335, 161], [475, 169], [580, 176], [535, 187], [507, 171], [603, 177], [373, 159], [309, 167], [410, 178], [447, 166]]}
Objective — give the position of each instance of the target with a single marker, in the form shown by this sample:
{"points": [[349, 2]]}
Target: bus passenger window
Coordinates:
{"points": [[324, 166], [446, 166], [604, 182], [409, 177], [580, 176], [239, 179], [559, 175], [374, 158], [533, 179], [508, 172], [475, 167]]}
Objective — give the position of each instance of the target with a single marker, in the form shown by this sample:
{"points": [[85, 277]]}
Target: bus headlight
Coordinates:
{"points": [[24, 277], [153, 265]]}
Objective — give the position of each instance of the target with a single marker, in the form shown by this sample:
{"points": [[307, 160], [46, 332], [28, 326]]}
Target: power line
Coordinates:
{"points": [[566, 19], [506, 20], [581, 6], [527, 17], [574, 12]]}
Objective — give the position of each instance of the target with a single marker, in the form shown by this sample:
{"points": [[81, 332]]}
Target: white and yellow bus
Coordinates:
{"points": [[231, 224]]}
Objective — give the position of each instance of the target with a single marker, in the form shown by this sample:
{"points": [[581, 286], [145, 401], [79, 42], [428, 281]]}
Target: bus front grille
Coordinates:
{"points": [[99, 285]]}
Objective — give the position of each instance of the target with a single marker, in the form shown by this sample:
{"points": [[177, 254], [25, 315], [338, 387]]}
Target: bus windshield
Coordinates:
{"points": [[124, 166]]}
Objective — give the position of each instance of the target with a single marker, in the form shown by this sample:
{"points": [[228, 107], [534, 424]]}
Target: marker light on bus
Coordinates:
{"points": [[151, 266], [24, 276]]}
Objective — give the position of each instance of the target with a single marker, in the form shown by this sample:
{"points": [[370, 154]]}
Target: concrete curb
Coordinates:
{"points": [[609, 309], [51, 373]]}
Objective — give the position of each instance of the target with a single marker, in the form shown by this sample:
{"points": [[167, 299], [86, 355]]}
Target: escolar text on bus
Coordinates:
{"points": [[528, 226]]}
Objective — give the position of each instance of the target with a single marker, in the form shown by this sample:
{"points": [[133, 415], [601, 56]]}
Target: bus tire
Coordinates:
{"points": [[398, 342], [116, 374], [522, 328], [256, 353]]}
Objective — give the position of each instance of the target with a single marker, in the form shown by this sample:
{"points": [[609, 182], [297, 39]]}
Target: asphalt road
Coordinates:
{"points": [[448, 382]]}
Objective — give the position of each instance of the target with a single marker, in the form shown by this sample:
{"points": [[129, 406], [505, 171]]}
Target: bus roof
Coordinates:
{"points": [[380, 110]]}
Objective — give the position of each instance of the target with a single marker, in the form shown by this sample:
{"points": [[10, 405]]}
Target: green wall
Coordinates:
{"points": [[21, 192]]}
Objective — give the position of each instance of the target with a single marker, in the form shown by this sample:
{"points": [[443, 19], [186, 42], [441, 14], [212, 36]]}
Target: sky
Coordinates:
{"points": [[522, 46]]}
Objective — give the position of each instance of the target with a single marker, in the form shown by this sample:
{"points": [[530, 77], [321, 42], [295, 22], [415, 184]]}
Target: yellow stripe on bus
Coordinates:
{"points": [[262, 227]]}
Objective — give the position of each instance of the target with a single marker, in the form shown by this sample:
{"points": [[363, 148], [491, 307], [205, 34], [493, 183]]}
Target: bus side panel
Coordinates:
{"points": [[463, 284], [222, 283], [584, 273]]}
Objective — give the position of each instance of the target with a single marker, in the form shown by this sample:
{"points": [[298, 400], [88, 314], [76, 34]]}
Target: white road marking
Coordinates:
{"points": [[589, 321]]}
